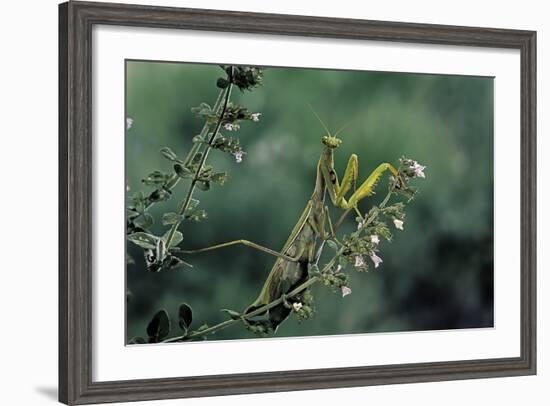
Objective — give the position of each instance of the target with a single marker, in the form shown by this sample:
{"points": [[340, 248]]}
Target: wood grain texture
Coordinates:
{"points": [[76, 20]]}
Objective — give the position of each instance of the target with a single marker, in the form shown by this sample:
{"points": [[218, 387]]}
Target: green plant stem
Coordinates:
{"points": [[294, 292], [174, 179], [193, 184], [256, 312], [204, 131]]}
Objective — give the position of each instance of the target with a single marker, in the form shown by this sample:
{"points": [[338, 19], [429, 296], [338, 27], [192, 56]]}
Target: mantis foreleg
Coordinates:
{"points": [[337, 191]]}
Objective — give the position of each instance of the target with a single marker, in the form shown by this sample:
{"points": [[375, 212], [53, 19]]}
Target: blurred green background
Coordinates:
{"points": [[437, 273]]}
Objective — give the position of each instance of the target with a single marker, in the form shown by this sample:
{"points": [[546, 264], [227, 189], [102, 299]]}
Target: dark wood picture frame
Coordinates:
{"points": [[76, 20]]}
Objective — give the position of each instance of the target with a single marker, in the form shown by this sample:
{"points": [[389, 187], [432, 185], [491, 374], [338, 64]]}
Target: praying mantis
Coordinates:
{"points": [[303, 247]]}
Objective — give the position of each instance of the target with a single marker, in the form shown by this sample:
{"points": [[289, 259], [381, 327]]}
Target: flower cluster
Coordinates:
{"points": [[334, 278], [244, 77], [304, 309]]}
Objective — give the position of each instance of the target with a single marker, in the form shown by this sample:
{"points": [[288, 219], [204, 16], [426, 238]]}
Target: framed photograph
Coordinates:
{"points": [[260, 202]]}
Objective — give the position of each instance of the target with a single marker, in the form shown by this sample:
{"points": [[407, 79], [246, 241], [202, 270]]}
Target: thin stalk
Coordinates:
{"points": [[174, 179], [254, 313], [193, 184]]}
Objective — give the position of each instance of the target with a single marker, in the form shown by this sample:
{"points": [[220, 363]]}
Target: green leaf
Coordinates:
{"points": [[159, 326], [182, 171], [169, 154], [197, 215], [171, 218], [219, 178], [145, 221], [342, 262], [203, 185], [137, 340], [140, 206], [131, 213], [160, 195], [155, 178], [202, 110], [144, 240], [174, 262], [185, 316], [332, 245], [193, 203], [176, 239], [232, 313], [197, 158], [199, 139], [313, 269]]}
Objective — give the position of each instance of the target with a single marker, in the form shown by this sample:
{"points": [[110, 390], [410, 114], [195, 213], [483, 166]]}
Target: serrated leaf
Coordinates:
{"points": [[143, 240], [171, 218], [159, 326], [185, 316], [176, 239]]}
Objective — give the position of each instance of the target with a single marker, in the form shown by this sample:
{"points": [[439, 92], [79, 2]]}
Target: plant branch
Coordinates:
{"points": [[174, 179], [254, 313], [204, 156]]}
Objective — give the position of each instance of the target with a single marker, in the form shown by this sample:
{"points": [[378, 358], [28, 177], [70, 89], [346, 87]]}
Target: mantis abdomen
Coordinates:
{"points": [[286, 275]]}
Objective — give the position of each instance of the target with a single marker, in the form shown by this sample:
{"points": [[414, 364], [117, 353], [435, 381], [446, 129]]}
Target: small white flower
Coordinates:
{"points": [[338, 268], [374, 239], [296, 306], [418, 170], [345, 291], [398, 224], [359, 261], [238, 156], [129, 122], [255, 116], [376, 259], [360, 224], [229, 126]]}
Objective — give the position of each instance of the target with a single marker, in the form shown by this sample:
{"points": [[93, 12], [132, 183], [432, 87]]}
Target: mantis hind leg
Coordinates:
{"points": [[242, 242]]}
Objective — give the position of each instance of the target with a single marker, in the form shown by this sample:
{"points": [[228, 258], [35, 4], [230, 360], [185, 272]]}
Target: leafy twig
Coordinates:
{"points": [[200, 167]]}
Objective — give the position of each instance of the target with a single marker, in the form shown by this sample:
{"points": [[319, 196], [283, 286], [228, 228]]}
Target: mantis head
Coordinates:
{"points": [[331, 141]]}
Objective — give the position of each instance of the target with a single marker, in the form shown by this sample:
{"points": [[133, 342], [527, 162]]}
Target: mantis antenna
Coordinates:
{"points": [[342, 128], [319, 118], [325, 127]]}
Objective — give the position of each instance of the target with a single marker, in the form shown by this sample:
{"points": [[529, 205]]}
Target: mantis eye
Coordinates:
{"points": [[331, 142]]}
